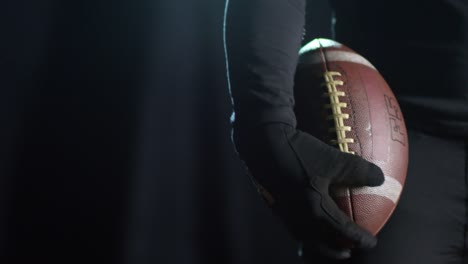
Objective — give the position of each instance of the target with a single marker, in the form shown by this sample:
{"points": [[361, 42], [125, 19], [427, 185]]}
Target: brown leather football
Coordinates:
{"points": [[343, 100]]}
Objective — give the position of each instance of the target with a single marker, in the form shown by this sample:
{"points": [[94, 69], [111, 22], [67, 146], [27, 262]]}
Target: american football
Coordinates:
{"points": [[343, 100]]}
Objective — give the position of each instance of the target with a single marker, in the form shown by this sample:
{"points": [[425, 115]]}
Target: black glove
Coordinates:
{"points": [[294, 172], [292, 169]]}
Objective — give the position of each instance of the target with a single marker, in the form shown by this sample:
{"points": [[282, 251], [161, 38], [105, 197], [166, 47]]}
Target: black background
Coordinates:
{"points": [[115, 137]]}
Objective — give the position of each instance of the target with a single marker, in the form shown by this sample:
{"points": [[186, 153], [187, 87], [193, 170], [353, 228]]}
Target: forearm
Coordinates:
{"points": [[262, 39]]}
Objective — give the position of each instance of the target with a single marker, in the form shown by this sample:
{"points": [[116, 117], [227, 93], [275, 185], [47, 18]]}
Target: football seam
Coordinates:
{"points": [[358, 141], [326, 67], [353, 121]]}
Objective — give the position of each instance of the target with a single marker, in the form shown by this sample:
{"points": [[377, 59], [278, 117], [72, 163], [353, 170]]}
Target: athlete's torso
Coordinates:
{"points": [[421, 48]]}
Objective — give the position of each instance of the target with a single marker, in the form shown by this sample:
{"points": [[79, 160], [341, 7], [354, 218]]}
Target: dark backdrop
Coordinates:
{"points": [[115, 137]]}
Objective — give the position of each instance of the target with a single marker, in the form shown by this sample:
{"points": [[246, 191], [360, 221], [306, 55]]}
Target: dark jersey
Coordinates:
{"points": [[421, 49]]}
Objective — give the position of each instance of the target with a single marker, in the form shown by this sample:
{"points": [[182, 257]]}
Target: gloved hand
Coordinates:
{"points": [[294, 172]]}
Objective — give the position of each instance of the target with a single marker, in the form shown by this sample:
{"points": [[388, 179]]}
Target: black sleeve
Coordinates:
{"points": [[262, 39]]}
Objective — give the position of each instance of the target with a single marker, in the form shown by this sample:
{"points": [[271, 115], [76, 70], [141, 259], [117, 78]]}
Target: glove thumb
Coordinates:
{"points": [[356, 172]]}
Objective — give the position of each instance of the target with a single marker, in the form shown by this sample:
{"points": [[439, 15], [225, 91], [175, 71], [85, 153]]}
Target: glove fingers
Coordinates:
{"points": [[336, 166], [345, 228], [358, 172], [356, 235], [314, 252]]}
